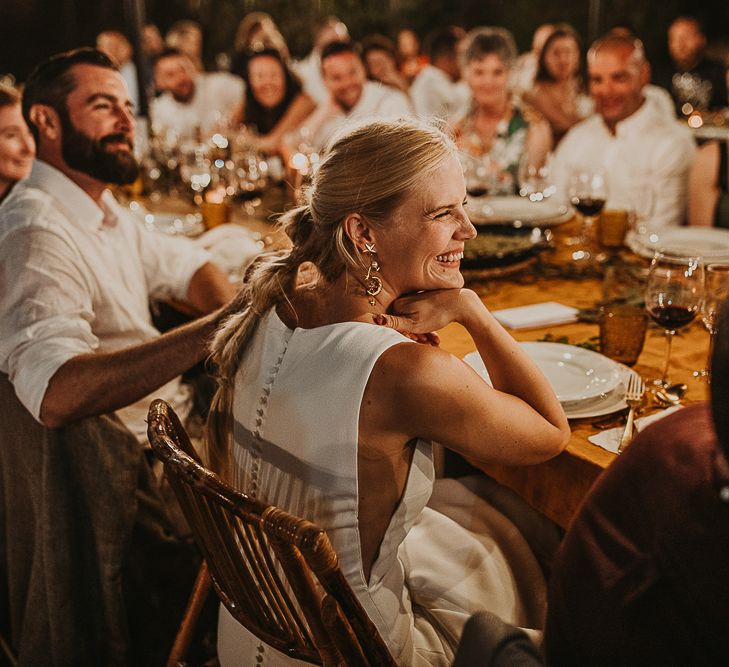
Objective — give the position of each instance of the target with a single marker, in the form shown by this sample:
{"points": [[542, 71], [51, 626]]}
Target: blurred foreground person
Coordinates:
{"points": [[641, 577], [17, 147]]}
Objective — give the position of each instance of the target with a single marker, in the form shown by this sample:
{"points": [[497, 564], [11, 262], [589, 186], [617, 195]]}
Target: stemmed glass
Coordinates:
{"points": [[587, 193], [641, 201], [535, 183], [673, 296], [716, 290]]}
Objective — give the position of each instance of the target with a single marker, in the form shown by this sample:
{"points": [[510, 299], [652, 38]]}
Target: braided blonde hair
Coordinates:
{"points": [[369, 169]]}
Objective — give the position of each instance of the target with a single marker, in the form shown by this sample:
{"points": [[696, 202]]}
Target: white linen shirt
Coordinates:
{"points": [[76, 277], [435, 95], [647, 151], [216, 97], [376, 101]]}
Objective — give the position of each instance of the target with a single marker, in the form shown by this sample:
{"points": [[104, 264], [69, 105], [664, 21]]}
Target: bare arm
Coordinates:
{"points": [[300, 109], [420, 391], [209, 289], [703, 186], [539, 141], [96, 383]]}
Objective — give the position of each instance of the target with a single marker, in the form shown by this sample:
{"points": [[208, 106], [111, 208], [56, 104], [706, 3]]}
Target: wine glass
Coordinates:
{"points": [[716, 290], [642, 202], [535, 183], [478, 174], [673, 296], [587, 193]]}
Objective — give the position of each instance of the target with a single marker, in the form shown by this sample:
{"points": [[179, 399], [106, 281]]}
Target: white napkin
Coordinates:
{"points": [[231, 247], [537, 315], [611, 439]]}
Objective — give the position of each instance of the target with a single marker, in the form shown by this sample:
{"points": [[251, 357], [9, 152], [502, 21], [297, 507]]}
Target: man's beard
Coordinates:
{"points": [[92, 157]]}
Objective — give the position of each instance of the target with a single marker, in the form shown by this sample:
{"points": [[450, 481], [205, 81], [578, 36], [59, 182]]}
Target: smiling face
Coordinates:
{"points": [[488, 79], [344, 76], [423, 247], [17, 147], [267, 81], [98, 126], [562, 58], [616, 78]]}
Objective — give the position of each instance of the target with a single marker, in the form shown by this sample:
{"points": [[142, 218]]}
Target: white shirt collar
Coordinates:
{"points": [[644, 115]]}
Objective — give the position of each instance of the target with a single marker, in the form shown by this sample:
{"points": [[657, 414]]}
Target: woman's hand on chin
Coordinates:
{"points": [[430, 311]]}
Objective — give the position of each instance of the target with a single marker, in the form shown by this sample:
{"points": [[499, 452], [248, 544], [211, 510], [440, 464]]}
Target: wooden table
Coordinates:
{"points": [[557, 487]]}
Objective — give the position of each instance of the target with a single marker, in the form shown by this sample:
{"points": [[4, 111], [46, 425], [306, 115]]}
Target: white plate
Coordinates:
{"points": [[511, 208], [576, 374], [174, 223], [706, 242]]}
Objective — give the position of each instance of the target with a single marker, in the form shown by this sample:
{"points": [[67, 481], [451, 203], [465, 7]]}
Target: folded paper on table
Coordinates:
{"points": [[537, 315], [611, 439]]}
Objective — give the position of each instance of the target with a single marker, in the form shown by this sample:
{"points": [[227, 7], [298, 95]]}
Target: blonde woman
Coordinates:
{"points": [[325, 409], [17, 148]]}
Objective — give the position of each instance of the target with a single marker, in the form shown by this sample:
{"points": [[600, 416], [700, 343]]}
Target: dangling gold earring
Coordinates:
{"points": [[373, 284]]}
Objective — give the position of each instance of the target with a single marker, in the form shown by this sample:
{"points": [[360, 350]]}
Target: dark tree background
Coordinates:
{"points": [[33, 29]]}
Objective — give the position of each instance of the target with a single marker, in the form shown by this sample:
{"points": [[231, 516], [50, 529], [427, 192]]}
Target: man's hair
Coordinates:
{"points": [[441, 42], [337, 48], [167, 52], [52, 81], [612, 41], [720, 378], [688, 18], [9, 96]]}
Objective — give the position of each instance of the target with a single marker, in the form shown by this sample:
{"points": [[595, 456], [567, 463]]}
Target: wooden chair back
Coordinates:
{"points": [[276, 574]]}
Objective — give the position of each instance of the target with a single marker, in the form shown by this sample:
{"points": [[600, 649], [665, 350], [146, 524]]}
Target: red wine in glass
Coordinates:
{"points": [[672, 317], [588, 206]]}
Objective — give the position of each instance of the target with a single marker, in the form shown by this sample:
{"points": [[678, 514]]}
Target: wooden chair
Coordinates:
{"points": [[277, 574]]}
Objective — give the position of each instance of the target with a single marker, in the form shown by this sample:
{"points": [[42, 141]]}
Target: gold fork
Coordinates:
{"points": [[633, 397]]}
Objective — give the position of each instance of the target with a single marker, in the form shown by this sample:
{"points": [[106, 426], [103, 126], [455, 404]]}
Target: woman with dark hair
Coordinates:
{"points": [[381, 62], [558, 91], [274, 101], [17, 147]]}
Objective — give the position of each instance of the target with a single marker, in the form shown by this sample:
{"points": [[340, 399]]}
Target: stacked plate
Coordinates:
{"points": [[586, 383], [519, 210], [712, 245]]}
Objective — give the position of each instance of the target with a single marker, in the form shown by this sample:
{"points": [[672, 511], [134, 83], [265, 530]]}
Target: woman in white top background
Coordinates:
{"points": [[325, 409]]}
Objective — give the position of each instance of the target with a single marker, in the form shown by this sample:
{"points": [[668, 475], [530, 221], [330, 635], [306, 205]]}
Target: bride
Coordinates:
{"points": [[327, 411]]}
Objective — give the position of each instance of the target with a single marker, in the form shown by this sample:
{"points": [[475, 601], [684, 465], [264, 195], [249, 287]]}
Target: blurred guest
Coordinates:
{"points": [[636, 145], [380, 61], [435, 91], [641, 577], [495, 125], [558, 92], [687, 49], [256, 32], [525, 67], [274, 102], [309, 69], [118, 48], [152, 42], [17, 147], [350, 94], [189, 99], [186, 37], [709, 186], [408, 54]]}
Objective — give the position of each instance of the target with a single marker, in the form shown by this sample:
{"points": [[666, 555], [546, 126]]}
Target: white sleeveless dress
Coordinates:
{"points": [[296, 411]]}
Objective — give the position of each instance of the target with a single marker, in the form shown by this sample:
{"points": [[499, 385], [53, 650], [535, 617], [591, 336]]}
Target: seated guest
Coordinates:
{"points": [[309, 69], [186, 37], [495, 126], [525, 66], [329, 412], [631, 140], [641, 577], [152, 42], [436, 91], [558, 92], [118, 48], [17, 147], [77, 272], [256, 32], [192, 100], [687, 47], [380, 61], [274, 101], [709, 186], [350, 94], [408, 54]]}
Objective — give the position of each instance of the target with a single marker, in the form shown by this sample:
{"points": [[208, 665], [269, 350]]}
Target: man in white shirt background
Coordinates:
{"points": [[190, 99], [351, 96], [643, 153], [435, 92]]}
